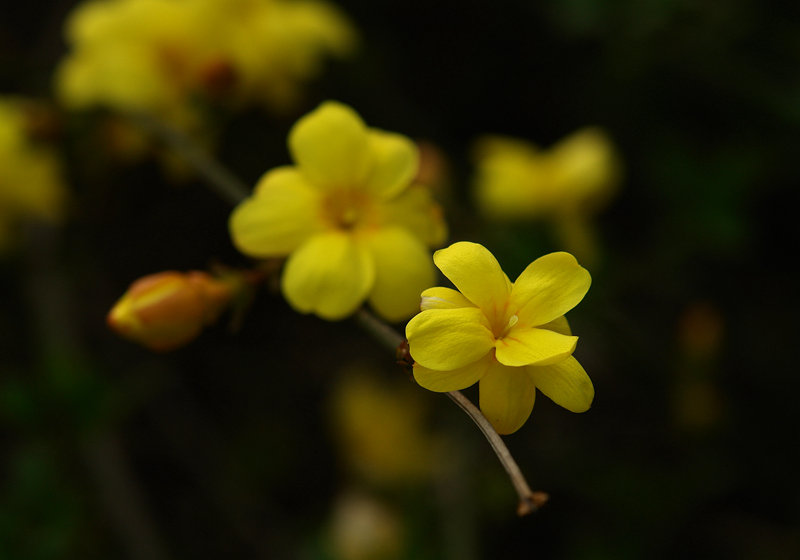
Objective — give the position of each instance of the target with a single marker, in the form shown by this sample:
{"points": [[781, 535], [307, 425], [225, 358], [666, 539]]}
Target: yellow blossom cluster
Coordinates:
{"points": [[31, 185], [160, 56], [355, 227]]}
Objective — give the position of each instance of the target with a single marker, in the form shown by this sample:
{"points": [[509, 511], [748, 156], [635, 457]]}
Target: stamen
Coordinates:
{"points": [[513, 320]]}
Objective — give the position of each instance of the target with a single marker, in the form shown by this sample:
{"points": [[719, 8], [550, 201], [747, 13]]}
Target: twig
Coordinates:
{"points": [[232, 190], [382, 332], [104, 456], [224, 183], [122, 497], [529, 501]]}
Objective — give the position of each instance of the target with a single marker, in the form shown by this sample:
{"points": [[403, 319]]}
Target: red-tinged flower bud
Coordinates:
{"points": [[164, 311]]}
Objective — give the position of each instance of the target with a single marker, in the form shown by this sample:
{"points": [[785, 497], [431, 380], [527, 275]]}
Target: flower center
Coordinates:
{"points": [[513, 320], [346, 209]]}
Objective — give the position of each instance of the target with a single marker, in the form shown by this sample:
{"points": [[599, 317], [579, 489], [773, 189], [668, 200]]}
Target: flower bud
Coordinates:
{"points": [[164, 311]]}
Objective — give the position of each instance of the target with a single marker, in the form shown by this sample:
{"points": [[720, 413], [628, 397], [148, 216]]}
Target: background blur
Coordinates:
{"points": [[298, 438]]}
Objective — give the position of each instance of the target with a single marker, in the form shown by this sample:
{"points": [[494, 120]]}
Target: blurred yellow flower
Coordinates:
{"points": [[513, 338], [164, 311], [566, 184], [162, 56], [276, 46], [31, 186], [380, 427], [354, 225], [515, 180]]}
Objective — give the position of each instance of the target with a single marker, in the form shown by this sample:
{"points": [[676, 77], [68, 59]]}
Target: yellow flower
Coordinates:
{"points": [[515, 180], [164, 311], [276, 46], [31, 186], [354, 226], [512, 338], [161, 56]]}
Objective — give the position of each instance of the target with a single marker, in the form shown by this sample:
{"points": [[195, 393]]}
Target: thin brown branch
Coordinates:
{"points": [[529, 501], [232, 190], [51, 301], [219, 178], [382, 332]]}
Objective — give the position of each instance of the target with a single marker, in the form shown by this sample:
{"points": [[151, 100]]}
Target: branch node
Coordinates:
{"points": [[532, 503]]}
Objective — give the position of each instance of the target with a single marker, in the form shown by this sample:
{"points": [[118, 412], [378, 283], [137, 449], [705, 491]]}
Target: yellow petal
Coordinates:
{"points": [[445, 339], [280, 216], [452, 380], [565, 382], [506, 397], [526, 346], [395, 163], [331, 146], [403, 268], [476, 274], [443, 298], [417, 211], [328, 275], [548, 288], [559, 325]]}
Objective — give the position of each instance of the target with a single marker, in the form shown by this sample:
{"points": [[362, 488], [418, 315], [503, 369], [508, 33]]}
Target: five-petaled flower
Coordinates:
{"points": [[512, 338], [349, 217]]}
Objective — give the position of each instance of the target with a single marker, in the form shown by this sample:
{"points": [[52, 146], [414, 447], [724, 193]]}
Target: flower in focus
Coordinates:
{"points": [[512, 338], [565, 184], [162, 56], [164, 311], [348, 216], [31, 186]]}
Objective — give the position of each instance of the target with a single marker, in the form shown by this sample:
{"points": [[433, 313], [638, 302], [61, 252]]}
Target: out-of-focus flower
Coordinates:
{"points": [[31, 185], [362, 528], [279, 45], [381, 428], [164, 311], [566, 184], [162, 56], [512, 338], [354, 225], [515, 180]]}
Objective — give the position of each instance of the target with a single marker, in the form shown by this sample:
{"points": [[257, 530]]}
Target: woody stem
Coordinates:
{"points": [[220, 179], [230, 188], [529, 501]]}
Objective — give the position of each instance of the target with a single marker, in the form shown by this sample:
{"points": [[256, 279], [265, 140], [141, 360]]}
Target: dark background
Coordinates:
{"points": [[225, 448]]}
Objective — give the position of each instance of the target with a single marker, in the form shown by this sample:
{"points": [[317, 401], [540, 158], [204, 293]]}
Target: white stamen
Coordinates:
{"points": [[513, 320]]}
